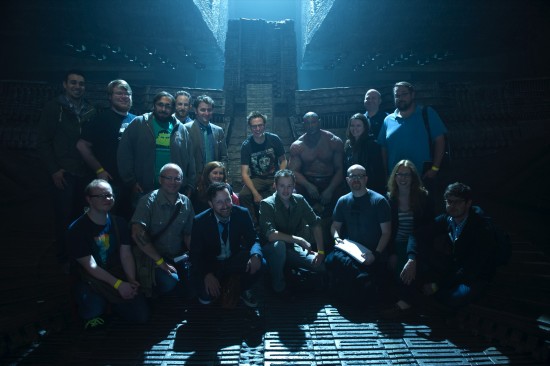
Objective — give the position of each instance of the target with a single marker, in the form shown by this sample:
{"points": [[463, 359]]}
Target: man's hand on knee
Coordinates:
{"points": [[312, 191], [257, 197], [326, 196], [212, 285]]}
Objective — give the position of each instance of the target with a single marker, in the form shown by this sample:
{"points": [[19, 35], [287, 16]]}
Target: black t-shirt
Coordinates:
{"points": [[262, 159], [102, 242], [104, 132]]}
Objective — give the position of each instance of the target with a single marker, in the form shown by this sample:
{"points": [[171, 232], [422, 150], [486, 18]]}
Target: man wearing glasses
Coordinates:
{"points": [[99, 139], [161, 228], [151, 141], [262, 154], [366, 216], [461, 260], [100, 245]]}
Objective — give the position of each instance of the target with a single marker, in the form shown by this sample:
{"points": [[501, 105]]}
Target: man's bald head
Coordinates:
{"points": [[311, 123], [310, 115]]}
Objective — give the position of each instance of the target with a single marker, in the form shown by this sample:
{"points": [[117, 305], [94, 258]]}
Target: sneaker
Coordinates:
{"points": [[203, 301], [94, 323], [249, 299]]}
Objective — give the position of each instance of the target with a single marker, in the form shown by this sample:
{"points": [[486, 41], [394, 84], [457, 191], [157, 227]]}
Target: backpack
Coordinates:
{"points": [[503, 242], [446, 161]]}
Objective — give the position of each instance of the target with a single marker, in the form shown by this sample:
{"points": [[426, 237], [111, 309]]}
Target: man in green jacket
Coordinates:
{"points": [[287, 226]]}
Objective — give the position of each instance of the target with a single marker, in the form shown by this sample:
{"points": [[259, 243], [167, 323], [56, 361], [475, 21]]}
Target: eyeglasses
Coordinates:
{"points": [[257, 127], [172, 179], [356, 176], [451, 202], [404, 175], [102, 196]]}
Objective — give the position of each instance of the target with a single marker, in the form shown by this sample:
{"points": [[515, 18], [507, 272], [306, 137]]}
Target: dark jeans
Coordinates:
{"points": [[461, 294], [168, 282], [454, 296], [264, 186], [236, 264], [350, 281], [91, 305]]}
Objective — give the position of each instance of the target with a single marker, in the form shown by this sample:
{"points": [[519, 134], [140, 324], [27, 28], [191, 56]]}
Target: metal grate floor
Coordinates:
{"points": [[309, 331]]}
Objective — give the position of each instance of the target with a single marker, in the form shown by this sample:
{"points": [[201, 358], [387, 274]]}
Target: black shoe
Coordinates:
{"points": [[395, 312], [249, 299], [286, 295]]}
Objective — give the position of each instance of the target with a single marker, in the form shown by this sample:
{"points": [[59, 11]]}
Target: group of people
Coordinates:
{"points": [[178, 225]]}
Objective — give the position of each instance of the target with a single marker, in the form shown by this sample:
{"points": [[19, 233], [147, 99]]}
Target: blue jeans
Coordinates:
{"points": [[167, 282], [461, 295], [279, 253], [91, 305]]}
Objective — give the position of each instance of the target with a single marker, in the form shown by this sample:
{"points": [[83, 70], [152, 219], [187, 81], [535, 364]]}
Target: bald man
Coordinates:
{"points": [[316, 159], [375, 116]]}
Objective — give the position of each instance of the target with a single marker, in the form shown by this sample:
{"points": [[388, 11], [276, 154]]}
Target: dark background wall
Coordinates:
{"points": [[486, 75]]}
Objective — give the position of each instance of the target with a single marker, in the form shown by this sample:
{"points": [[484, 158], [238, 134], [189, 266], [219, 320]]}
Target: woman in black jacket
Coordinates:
{"points": [[412, 215], [361, 148]]}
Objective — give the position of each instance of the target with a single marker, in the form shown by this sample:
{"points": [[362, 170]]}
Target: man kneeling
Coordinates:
{"points": [[100, 244], [223, 246], [284, 221]]}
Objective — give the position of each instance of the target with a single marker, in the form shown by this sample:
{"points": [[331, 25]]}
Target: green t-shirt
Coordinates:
{"points": [[162, 131]]}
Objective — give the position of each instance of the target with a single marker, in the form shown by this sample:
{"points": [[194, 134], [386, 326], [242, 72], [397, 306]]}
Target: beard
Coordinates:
{"points": [[162, 117], [402, 105]]}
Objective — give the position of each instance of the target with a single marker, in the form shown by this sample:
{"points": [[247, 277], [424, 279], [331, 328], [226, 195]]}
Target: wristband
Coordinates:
{"points": [[321, 252], [117, 284], [99, 171], [160, 261], [435, 168]]}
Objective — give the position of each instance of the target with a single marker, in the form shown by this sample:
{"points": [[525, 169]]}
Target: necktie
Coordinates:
{"points": [[207, 148], [225, 231]]}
